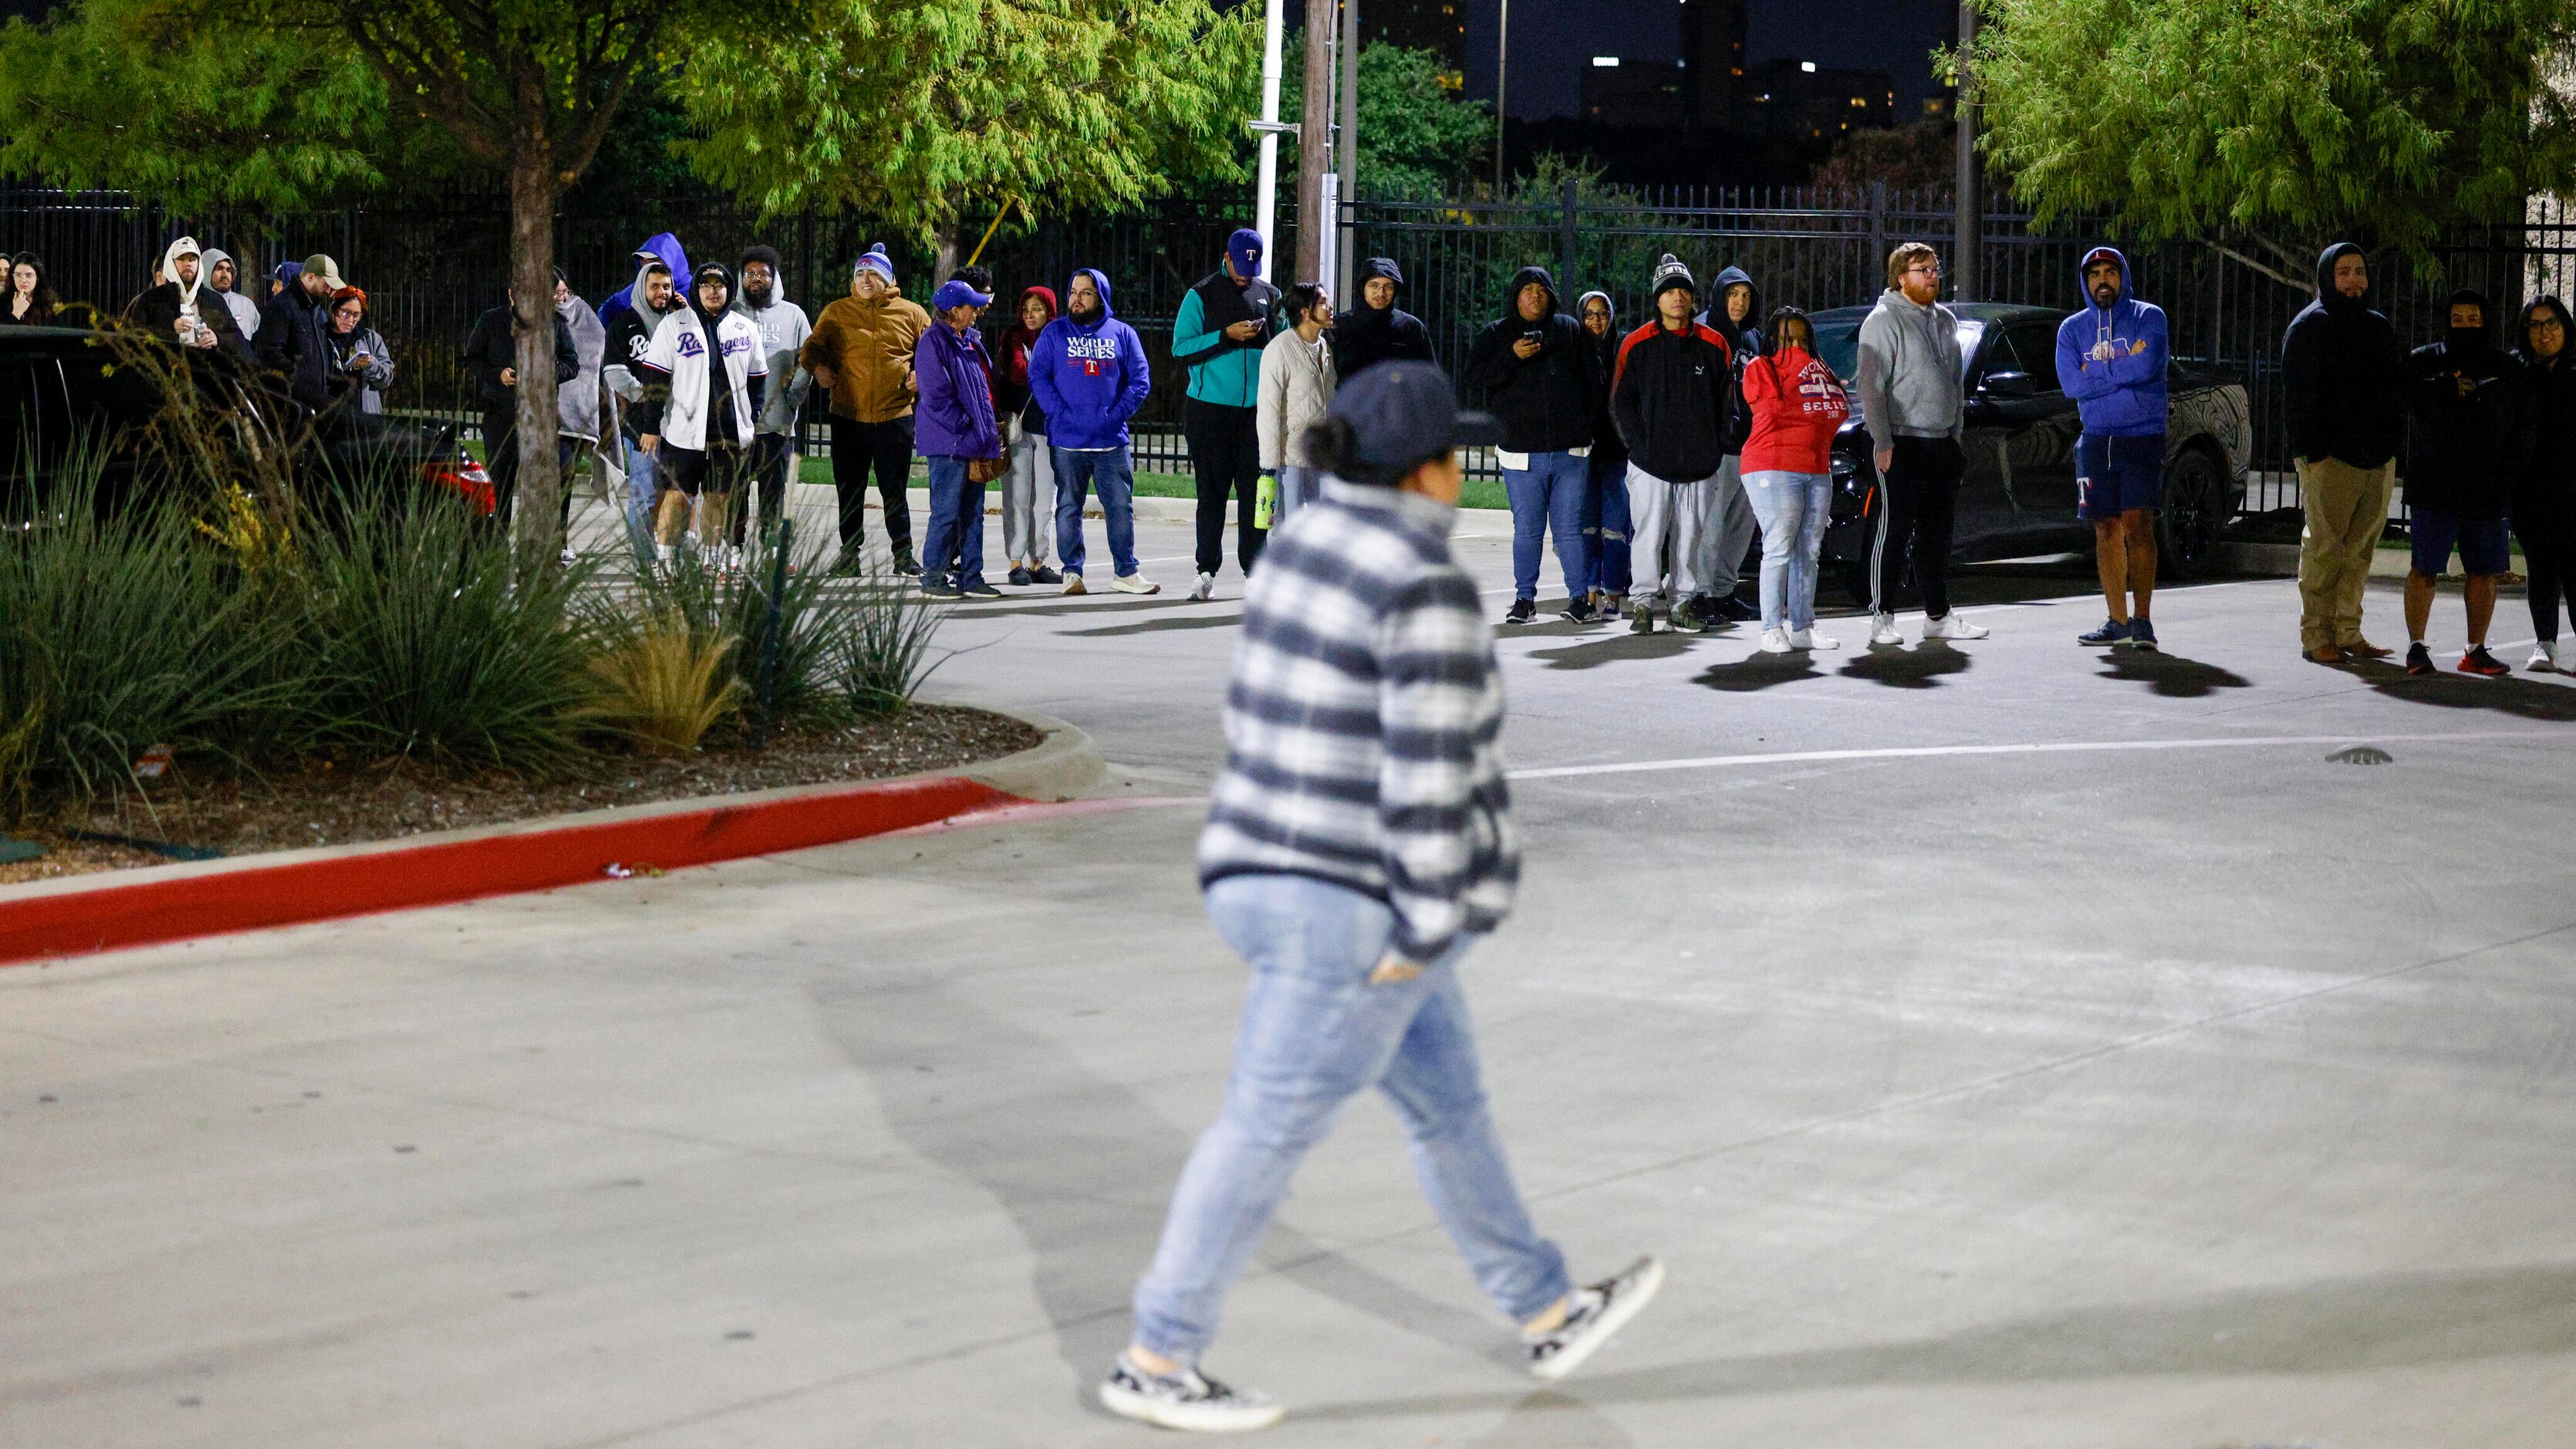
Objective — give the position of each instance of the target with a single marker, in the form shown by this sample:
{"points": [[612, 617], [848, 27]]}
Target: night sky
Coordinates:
{"points": [[1892, 35]]}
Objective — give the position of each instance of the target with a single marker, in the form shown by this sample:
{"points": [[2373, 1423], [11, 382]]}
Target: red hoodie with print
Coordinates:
{"points": [[1798, 405]]}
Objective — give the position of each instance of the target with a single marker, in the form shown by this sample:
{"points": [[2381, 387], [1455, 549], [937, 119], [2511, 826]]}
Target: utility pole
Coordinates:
{"points": [[1314, 139], [1970, 221], [1349, 169], [1266, 198], [1502, 54]]}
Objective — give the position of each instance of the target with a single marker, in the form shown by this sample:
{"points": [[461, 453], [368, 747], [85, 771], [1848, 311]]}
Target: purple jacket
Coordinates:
{"points": [[954, 415]]}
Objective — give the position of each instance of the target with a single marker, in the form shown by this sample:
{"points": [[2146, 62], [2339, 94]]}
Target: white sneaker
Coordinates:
{"points": [[1777, 641], [1073, 584], [2539, 662], [1597, 1312], [664, 553], [1204, 589], [567, 558], [1810, 639], [1185, 1400], [1882, 629], [2567, 656], [1951, 626], [1135, 583]]}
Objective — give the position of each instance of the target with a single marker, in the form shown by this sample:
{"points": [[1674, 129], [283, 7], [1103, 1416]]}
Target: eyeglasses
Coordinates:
{"points": [[1927, 269]]}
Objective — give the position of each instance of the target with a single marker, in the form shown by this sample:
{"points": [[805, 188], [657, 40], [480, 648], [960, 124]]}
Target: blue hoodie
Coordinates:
{"points": [[661, 244], [1089, 377], [2123, 397]]}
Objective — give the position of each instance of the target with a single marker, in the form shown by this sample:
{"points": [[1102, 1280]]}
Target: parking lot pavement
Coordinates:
{"points": [[2005, 1044]]}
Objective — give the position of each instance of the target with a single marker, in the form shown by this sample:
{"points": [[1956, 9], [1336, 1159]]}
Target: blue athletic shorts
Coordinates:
{"points": [[2115, 475], [2481, 541]]}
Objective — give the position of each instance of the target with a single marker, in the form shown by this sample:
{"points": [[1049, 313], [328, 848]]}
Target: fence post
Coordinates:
{"points": [[1870, 265], [1566, 203]]}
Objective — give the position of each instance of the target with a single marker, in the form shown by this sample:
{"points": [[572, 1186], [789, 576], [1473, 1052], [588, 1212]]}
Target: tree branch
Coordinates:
{"points": [[2232, 254]]}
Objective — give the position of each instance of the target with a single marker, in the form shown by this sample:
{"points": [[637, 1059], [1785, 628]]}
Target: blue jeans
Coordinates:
{"points": [[1297, 486], [956, 523], [1315, 1035], [1547, 496], [1793, 509], [1076, 473], [1605, 521], [643, 488]]}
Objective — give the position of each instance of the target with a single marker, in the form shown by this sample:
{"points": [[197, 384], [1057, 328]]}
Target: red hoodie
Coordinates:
{"points": [[1798, 405], [1011, 355]]}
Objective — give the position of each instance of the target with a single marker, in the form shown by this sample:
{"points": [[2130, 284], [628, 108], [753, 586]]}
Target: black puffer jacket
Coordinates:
{"points": [[2345, 372], [1670, 400], [2467, 429], [1544, 403], [291, 340], [2545, 487]]}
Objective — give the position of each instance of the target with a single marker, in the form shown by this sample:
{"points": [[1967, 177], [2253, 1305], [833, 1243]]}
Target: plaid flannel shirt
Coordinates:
{"points": [[1363, 719]]}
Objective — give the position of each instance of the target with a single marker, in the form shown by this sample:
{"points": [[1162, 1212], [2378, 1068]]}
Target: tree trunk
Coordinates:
{"points": [[537, 531], [949, 258]]}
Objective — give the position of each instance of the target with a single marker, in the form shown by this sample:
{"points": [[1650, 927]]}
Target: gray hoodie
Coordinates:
{"points": [[1911, 381], [783, 330], [577, 401]]}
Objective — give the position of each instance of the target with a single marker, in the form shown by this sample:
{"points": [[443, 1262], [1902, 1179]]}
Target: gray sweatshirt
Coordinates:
{"points": [[1910, 382]]}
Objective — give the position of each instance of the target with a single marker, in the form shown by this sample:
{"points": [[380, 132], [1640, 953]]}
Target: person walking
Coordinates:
{"points": [[1218, 335], [2111, 358], [1536, 367], [1729, 535], [1797, 406], [362, 367], [1375, 330], [703, 379], [1028, 490], [861, 353], [1297, 380], [291, 328], [577, 402], [1913, 397], [491, 359], [654, 296], [1089, 376], [2343, 376], [2544, 492], [2467, 437], [783, 330], [1359, 841], [959, 437], [32, 302], [223, 274], [1672, 381], [184, 309], [1605, 483]]}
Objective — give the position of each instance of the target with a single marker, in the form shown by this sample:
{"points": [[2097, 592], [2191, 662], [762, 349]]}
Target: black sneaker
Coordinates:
{"points": [[1579, 612], [1019, 578], [1596, 1313], [2142, 635], [1524, 611], [1732, 610], [905, 563], [2478, 661], [1044, 575], [1688, 619], [940, 589], [2113, 631], [1185, 1400], [2419, 660], [980, 590]]}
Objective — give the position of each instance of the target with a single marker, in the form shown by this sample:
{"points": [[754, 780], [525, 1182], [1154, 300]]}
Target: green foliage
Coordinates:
{"points": [[2292, 120], [814, 609], [1416, 137], [882, 654]]}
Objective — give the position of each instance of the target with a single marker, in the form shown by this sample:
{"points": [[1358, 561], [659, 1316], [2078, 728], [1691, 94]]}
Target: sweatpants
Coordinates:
{"points": [[885, 449], [1028, 497], [2548, 556], [1660, 509], [2347, 509], [1605, 520], [1225, 449], [1729, 535], [771, 457], [1918, 501]]}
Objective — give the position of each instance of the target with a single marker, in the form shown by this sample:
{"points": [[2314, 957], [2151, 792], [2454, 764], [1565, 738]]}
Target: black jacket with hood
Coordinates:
{"points": [[1363, 336], [1743, 344], [2467, 429], [491, 347], [2345, 373], [1544, 403], [292, 339], [1669, 397], [2544, 490], [1609, 450]]}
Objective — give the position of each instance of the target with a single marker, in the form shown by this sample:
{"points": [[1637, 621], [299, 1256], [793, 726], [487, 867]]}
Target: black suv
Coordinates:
{"points": [[2018, 498]]}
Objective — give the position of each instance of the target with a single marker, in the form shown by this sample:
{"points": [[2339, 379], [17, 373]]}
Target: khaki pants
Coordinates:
{"points": [[2347, 509]]}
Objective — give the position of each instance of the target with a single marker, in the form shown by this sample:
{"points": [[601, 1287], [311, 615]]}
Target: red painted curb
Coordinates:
{"points": [[247, 895]]}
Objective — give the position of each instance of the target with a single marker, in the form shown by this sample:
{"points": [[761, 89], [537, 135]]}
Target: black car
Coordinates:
{"points": [[2018, 498], [61, 385]]}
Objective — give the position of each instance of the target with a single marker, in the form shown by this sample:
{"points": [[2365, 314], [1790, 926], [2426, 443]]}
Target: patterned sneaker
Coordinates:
{"points": [[1185, 1400], [1523, 611], [1579, 612], [1687, 618], [2479, 662], [1597, 1312]]}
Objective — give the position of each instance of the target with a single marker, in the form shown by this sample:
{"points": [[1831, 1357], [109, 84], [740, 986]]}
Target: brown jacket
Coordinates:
{"points": [[868, 346]]}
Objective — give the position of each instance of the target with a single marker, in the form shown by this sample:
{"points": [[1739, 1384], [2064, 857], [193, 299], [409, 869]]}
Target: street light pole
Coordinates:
{"points": [[1969, 221], [1502, 54], [1266, 197], [1349, 168]]}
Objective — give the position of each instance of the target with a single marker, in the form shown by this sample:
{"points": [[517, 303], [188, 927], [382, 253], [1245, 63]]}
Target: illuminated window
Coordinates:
{"points": [[1611, 61], [1808, 66]]}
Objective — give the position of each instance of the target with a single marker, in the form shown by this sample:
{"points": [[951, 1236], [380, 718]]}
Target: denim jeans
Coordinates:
{"points": [[1315, 1035], [1547, 496], [643, 489], [1077, 471], [1605, 522], [956, 524], [1793, 508], [1297, 486]]}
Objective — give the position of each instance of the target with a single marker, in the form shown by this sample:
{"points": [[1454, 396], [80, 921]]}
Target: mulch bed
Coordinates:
{"points": [[344, 801]]}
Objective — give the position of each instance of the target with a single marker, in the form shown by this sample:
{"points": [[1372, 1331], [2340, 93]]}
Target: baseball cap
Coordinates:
{"points": [[958, 292], [327, 269], [1244, 248], [1403, 412]]}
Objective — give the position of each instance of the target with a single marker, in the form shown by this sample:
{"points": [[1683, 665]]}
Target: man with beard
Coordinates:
{"points": [[783, 330], [292, 328], [861, 352], [1376, 330], [1729, 535], [702, 378], [2467, 436], [224, 275], [183, 309], [2111, 358], [1089, 374], [1218, 334], [630, 334], [2343, 376]]}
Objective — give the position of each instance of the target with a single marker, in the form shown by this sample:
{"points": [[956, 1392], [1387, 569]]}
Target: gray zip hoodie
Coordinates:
{"points": [[1910, 382]]}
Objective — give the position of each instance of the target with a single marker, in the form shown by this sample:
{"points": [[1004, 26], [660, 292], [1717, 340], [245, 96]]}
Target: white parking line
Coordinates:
{"points": [[1802, 757]]}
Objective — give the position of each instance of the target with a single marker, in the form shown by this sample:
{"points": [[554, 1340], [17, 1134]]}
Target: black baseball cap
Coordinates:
{"points": [[1403, 412]]}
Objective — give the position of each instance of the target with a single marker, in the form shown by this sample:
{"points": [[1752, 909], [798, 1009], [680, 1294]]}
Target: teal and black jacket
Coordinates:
{"points": [[1222, 370]]}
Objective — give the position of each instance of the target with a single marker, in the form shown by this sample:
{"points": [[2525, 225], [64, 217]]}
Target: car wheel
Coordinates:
{"points": [[2196, 507]]}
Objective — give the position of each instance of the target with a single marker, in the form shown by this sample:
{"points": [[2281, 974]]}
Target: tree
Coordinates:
{"points": [[1416, 138], [2278, 121], [1917, 156]]}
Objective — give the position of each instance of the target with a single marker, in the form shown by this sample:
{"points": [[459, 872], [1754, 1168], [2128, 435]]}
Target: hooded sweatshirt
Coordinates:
{"points": [[1222, 370], [159, 309], [2467, 423], [1545, 404], [2344, 373], [1910, 383], [1608, 448], [783, 330], [245, 311], [1669, 396], [1798, 405], [689, 403], [290, 338], [1743, 343], [868, 346], [955, 418], [493, 345], [630, 336], [1011, 364], [1089, 377], [1365, 336], [2112, 360], [577, 402], [2545, 490], [663, 245]]}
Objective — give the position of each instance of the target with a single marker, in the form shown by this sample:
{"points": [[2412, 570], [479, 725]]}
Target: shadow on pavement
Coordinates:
{"points": [[2170, 675], [1614, 648], [1157, 626], [1114, 604], [1759, 671], [1920, 667], [2521, 698]]}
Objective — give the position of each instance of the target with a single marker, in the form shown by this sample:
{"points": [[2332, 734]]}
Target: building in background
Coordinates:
{"points": [[1627, 91], [1800, 101], [1712, 62], [1434, 25]]}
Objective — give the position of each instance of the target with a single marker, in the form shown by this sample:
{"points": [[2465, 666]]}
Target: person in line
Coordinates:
{"points": [[1913, 396], [1089, 375], [1729, 535], [2468, 432], [2544, 492], [491, 359], [703, 379], [1376, 330], [577, 402], [1669, 396], [2343, 376], [630, 336], [1358, 843], [861, 353], [184, 309], [32, 302], [1605, 483], [1028, 490], [783, 330], [1536, 367], [224, 275], [1218, 335], [362, 367], [1797, 405], [291, 328], [959, 437], [660, 247], [1297, 380], [2111, 359]]}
